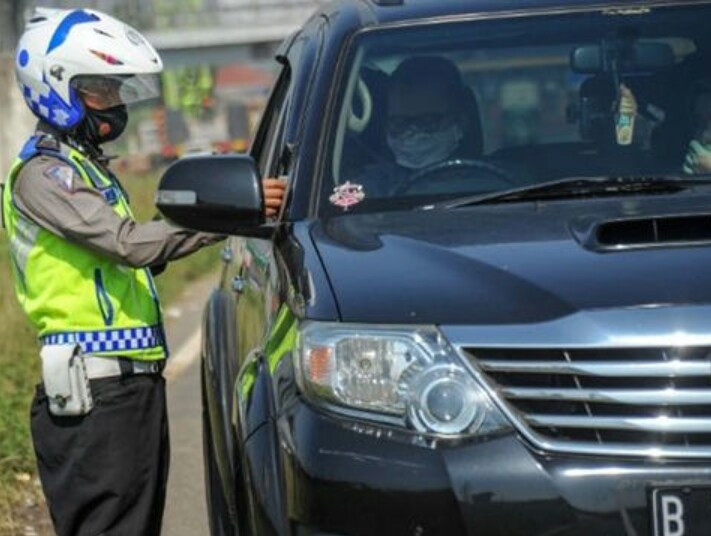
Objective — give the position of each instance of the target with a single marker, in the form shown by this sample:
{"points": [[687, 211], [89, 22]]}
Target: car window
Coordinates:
{"points": [[268, 140], [435, 111]]}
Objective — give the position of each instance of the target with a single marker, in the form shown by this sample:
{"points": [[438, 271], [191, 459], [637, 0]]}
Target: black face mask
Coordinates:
{"points": [[115, 117]]}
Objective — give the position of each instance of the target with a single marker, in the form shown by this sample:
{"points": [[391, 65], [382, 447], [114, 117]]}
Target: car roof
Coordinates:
{"points": [[377, 12]]}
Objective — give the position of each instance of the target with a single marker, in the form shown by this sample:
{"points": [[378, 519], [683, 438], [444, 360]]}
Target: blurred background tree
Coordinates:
{"points": [[11, 22]]}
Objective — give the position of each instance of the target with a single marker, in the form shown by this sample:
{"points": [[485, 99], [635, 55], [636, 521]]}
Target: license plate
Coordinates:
{"points": [[681, 511]]}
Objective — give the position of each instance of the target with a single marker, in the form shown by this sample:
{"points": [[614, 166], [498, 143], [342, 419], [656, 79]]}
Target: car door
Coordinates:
{"points": [[254, 276], [260, 281], [255, 273]]}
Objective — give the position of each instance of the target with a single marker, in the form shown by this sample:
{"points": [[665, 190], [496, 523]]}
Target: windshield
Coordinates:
{"points": [[440, 111]]}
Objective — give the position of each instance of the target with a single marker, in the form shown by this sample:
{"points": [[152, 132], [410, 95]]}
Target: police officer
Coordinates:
{"points": [[82, 267]]}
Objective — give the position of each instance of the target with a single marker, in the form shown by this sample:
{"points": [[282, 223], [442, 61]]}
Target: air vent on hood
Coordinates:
{"points": [[660, 231]]}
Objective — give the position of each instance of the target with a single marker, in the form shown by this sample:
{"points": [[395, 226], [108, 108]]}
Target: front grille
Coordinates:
{"points": [[637, 401]]}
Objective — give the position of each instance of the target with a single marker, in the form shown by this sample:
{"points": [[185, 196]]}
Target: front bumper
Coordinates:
{"points": [[342, 478]]}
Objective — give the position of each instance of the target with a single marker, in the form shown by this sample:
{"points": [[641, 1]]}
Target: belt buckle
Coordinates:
{"points": [[132, 367]]}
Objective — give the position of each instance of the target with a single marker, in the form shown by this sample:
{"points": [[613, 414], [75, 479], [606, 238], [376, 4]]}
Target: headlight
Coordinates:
{"points": [[409, 375]]}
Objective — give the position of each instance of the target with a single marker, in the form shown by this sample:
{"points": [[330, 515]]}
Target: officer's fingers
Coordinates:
{"points": [[273, 200], [273, 187], [270, 184], [273, 195], [272, 205]]}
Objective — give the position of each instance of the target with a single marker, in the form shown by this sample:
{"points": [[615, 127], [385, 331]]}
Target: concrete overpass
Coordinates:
{"points": [[249, 31], [224, 31]]}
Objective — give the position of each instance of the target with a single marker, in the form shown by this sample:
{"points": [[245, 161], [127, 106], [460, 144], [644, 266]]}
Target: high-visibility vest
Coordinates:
{"points": [[71, 294]]}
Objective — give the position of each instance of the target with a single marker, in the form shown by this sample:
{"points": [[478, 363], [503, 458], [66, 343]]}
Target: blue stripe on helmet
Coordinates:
{"points": [[60, 34]]}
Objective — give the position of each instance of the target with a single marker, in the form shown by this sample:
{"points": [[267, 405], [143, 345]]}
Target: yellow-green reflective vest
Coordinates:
{"points": [[72, 295]]}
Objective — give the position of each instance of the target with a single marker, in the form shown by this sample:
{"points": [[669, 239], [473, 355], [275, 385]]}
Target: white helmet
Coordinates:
{"points": [[65, 51]]}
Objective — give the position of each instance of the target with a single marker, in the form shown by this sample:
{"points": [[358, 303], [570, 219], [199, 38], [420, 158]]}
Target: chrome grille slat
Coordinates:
{"points": [[681, 425], [645, 401], [594, 368], [663, 397], [579, 386]]}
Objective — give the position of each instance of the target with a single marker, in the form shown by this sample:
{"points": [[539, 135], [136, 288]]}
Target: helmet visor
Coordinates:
{"points": [[106, 91]]}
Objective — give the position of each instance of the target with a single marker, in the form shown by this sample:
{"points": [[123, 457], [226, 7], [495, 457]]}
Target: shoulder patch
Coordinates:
{"points": [[63, 175]]}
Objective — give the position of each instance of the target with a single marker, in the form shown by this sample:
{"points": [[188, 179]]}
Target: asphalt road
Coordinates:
{"points": [[185, 512]]}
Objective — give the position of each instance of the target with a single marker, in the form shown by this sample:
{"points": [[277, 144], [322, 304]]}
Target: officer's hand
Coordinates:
{"points": [[273, 195]]}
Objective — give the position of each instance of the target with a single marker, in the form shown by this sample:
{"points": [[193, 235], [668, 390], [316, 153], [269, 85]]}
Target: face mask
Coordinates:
{"points": [[415, 149], [116, 117]]}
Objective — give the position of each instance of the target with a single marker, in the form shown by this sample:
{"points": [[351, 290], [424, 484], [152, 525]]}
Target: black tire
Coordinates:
{"points": [[217, 508]]}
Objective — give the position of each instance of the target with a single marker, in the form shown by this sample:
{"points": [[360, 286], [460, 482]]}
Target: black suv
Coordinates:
{"points": [[486, 305]]}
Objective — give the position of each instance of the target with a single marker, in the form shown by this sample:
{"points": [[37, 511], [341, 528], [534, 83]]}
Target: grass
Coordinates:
{"points": [[19, 360]]}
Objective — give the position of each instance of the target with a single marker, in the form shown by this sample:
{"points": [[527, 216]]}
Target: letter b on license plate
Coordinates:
{"points": [[681, 511]]}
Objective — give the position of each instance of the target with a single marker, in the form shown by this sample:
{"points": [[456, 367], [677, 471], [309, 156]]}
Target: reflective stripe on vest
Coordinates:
{"points": [[93, 342]]}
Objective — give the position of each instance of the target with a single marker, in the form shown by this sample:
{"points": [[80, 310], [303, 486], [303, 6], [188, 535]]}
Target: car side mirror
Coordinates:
{"points": [[214, 193]]}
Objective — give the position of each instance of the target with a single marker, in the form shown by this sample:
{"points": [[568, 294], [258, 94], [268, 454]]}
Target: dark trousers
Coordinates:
{"points": [[105, 473]]}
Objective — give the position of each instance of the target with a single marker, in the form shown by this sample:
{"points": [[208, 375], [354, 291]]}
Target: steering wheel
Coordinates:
{"points": [[475, 170]]}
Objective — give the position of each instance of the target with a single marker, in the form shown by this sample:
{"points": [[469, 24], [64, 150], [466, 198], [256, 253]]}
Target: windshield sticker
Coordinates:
{"points": [[346, 195]]}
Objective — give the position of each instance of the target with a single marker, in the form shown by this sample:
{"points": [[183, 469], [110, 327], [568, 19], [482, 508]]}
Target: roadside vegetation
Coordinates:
{"points": [[19, 362]]}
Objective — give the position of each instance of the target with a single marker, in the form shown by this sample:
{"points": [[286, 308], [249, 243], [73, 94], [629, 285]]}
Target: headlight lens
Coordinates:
{"points": [[410, 374], [445, 400]]}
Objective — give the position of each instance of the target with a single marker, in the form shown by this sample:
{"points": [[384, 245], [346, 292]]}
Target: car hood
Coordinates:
{"points": [[506, 263]]}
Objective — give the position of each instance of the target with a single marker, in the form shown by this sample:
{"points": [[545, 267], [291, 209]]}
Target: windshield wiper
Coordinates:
{"points": [[580, 187]]}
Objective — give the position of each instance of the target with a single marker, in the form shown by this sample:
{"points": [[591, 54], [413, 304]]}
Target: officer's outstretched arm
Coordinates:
{"points": [[50, 193]]}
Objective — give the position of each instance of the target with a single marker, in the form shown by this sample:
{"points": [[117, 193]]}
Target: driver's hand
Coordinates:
{"points": [[698, 158], [273, 195]]}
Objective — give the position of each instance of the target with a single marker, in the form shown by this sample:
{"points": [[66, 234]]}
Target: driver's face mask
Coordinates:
{"points": [[420, 142]]}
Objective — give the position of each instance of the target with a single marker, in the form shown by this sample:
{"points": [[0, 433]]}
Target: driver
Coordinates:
{"points": [[698, 155], [428, 120]]}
